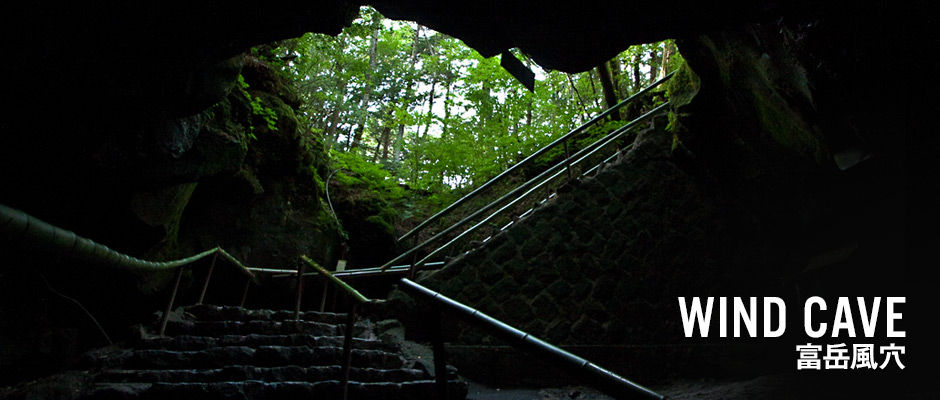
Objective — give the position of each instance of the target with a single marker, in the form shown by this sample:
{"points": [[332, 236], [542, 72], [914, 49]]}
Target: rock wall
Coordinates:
{"points": [[170, 187]]}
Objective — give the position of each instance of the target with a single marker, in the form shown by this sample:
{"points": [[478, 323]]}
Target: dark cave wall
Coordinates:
{"points": [[109, 129], [129, 127], [165, 188], [760, 183], [806, 144]]}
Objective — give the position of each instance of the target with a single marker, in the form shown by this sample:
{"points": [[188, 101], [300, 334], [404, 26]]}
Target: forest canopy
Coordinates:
{"points": [[419, 109]]}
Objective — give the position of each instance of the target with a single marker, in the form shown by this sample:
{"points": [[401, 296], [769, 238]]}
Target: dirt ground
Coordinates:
{"points": [[773, 387]]}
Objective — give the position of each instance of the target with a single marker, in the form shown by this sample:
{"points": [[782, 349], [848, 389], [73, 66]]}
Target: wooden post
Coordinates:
{"points": [[245, 292], [412, 269], [169, 304], [347, 348], [440, 357], [326, 287], [300, 290], [205, 285]]}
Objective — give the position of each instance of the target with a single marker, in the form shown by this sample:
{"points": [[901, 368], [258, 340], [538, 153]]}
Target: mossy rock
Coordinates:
{"points": [[683, 86], [381, 224]]}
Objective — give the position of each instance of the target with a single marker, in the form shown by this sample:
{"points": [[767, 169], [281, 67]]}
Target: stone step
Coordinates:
{"points": [[195, 343], [208, 312], [221, 328], [272, 390], [262, 356], [250, 373]]}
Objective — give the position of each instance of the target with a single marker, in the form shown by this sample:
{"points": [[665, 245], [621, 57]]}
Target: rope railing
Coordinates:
{"points": [[33, 232], [30, 231], [17, 225]]}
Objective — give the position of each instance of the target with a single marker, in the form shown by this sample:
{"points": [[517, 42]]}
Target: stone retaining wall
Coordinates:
{"points": [[603, 262]]}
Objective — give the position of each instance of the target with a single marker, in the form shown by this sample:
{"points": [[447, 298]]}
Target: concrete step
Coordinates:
{"points": [[250, 373], [262, 356], [272, 390]]}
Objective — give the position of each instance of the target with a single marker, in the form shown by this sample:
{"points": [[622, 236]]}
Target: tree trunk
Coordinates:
{"points": [[430, 115], [580, 99], [655, 62], [386, 138], [399, 143], [330, 133], [607, 86], [636, 72], [446, 110], [593, 88], [528, 114], [617, 77], [400, 137], [668, 51], [382, 143], [366, 97]]}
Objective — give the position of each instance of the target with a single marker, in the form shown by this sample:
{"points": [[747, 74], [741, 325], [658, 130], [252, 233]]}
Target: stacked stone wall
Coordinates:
{"points": [[604, 261]]}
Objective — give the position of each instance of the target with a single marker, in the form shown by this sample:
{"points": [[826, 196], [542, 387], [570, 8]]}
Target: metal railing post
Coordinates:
{"points": [[169, 304], [347, 348], [440, 356], [300, 291], [567, 160], [205, 285]]}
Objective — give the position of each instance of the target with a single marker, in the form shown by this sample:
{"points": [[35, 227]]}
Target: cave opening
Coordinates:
{"points": [[785, 165]]}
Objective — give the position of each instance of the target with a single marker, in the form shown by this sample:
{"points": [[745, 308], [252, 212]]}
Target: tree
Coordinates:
{"points": [[434, 114], [607, 85]]}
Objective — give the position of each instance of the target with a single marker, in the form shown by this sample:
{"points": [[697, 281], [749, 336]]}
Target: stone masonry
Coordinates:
{"points": [[603, 262]]}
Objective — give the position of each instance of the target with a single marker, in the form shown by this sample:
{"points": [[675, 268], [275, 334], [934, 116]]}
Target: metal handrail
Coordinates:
{"points": [[610, 138], [592, 374], [578, 157], [531, 157]]}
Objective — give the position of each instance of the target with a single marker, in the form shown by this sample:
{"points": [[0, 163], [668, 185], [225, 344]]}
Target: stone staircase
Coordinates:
{"points": [[212, 352]]}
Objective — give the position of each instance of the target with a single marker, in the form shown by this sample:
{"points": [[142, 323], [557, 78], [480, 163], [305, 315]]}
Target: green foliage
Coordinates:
{"points": [[398, 106], [358, 173], [258, 108]]}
